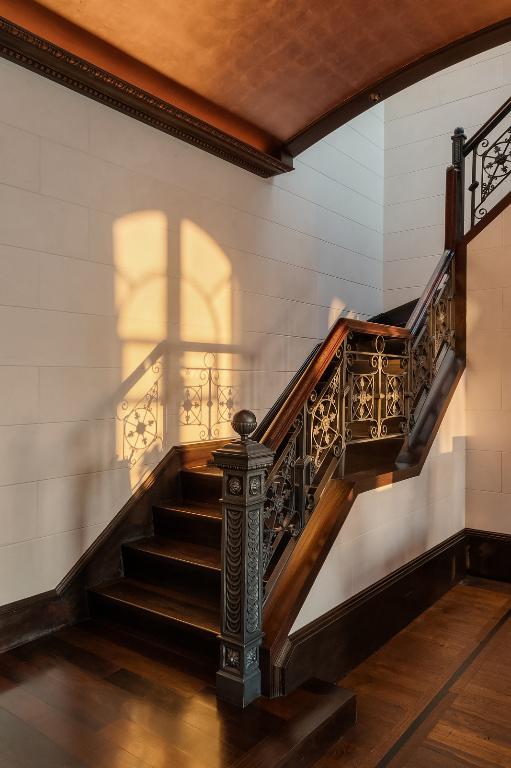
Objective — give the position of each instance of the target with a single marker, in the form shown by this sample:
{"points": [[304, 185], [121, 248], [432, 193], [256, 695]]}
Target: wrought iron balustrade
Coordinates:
{"points": [[489, 155], [374, 388], [367, 382]]}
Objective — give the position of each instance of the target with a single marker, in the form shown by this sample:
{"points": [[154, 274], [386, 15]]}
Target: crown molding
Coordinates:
{"points": [[55, 63]]}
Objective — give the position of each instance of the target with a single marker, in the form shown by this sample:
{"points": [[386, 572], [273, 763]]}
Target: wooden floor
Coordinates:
{"points": [[438, 695], [88, 697]]}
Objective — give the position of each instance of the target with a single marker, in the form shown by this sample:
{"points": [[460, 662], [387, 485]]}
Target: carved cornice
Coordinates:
{"points": [[43, 57]]}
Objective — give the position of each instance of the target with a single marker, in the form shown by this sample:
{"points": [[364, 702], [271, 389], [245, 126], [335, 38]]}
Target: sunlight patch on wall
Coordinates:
{"points": [[140, 248], [207, 366], [336, 307]]}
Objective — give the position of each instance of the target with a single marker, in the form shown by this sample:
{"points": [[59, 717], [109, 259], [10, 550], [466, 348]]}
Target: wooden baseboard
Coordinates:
{"points": [[488, 554], [336, 642], [328, 647]]}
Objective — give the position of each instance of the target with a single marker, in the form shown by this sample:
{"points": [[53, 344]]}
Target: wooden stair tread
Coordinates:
{"points": [[204, 469], [164, 602], [200, 509], [189, 552]]}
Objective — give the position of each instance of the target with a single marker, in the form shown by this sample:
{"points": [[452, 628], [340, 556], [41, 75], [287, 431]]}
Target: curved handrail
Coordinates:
{"points": [[487, 127]]}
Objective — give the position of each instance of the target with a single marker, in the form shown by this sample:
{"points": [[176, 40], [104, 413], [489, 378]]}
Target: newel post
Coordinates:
{"points": [[244, 463], [458, 162]]}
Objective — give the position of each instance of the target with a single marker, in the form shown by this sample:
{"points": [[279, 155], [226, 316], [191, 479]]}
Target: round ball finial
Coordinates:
{"points": [[244, 423], [458, 131]]}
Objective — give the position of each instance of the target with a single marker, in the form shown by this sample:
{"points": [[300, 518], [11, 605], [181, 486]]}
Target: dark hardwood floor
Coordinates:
{"points": [[94, 697], [438, 695]]}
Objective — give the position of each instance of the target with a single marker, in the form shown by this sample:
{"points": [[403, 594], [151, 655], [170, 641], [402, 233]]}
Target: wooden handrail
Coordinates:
{"points": [[267, 420], [417, 316], [291, 407], [451, 183], [487, 127]]}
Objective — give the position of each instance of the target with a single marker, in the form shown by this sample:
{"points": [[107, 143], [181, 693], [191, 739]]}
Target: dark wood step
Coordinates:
{"points": [[189, 521], [185, 552], [165, 612], [201, 484], [189, 566]]}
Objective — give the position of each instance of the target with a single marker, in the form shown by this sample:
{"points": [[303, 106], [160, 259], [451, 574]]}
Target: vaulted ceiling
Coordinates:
{"points": [[273, 74]]}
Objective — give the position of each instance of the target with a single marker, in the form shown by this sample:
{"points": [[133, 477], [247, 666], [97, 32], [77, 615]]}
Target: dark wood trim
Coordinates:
{"points": [[288, 594], [480, 41], [55, 63], [336, 642], [418, 313], [487, 127], [450, 208], [333, 644], [33, 617], [489, 555], [307, 731], [492, 214], [460, 289]]}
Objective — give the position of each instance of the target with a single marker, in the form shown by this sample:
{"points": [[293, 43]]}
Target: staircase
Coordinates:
{"points": [[170, 591], [375, 393]]}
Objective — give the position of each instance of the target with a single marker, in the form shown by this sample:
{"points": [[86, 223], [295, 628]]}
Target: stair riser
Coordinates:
{"points": [[158, 570], [174, 636], [183, 527], [198, 487]]}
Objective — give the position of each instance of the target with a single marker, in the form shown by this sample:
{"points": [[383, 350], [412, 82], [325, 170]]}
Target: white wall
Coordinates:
{"points": [[419, 122], [389, 526], [125, 256], [489, 378]]}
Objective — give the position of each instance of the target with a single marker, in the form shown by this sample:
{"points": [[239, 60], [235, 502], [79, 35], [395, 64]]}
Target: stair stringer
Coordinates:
{"points": [[297, 579]]}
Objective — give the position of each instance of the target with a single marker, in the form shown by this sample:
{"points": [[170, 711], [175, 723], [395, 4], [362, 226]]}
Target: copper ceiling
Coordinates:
{"points": [[265, 69]]}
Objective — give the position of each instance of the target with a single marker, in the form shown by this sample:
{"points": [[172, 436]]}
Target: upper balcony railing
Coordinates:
{"points": [[488, 155]]}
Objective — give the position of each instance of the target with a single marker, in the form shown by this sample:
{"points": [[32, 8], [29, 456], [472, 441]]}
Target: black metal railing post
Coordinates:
{"points": [[458, 161], [245, 463]]}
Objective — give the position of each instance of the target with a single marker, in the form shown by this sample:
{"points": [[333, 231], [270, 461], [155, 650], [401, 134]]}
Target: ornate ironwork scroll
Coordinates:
{"points": [[435, 337], [313, 446], [491, 166], [281, 513], [377, 372], [207, 401], [373, 389], [325, 417]]}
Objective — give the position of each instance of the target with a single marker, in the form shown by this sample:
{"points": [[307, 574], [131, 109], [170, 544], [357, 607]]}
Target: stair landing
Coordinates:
{"points": [[91, 696]]}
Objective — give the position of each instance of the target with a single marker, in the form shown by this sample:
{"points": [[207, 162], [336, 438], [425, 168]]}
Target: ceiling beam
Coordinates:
{"points": [[461, 49]]}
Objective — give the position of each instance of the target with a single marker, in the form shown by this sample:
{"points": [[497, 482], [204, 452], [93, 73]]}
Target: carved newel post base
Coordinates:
{"points": [[244, 463]]}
